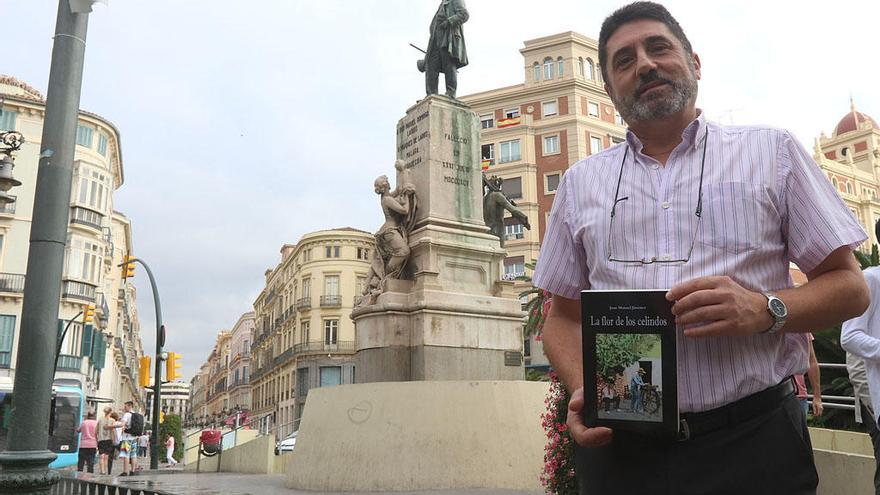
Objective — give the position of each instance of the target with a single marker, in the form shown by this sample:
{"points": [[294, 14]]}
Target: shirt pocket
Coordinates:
{"points": [[735, 216]]}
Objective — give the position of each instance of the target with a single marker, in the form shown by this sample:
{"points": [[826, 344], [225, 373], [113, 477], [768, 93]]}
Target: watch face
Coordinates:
{"points": [[778, 308]]}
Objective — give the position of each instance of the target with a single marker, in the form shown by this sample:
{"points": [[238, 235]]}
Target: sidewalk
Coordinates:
{"points": [[175, 481]]}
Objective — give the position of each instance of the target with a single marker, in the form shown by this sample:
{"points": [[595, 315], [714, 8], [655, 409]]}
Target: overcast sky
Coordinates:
{"points": [[246, 124]]}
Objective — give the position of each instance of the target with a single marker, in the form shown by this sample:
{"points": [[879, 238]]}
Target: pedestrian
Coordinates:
{"points": [[88, 443], [715, 215], [143, 447], [169, 450], [860, 337], [635, 389], [128, 446], [815, 383], [104, 436]]}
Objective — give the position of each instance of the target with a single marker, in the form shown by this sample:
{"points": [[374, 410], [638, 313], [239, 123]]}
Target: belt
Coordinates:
{"points": [[745, 409]]}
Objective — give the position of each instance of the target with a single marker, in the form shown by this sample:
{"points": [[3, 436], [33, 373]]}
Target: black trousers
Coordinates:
{"points": [[767, 455], [871, 423], [86, 458]]}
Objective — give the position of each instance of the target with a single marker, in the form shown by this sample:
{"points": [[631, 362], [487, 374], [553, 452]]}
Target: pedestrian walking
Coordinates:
{"points": [[106, 443], [88, 443], [143, 447], [169, 454]]}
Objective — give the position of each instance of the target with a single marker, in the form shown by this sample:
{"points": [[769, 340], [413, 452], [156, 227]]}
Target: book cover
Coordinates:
{"points": [[630, 370]]}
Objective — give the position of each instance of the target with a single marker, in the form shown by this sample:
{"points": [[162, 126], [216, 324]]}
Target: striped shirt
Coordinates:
{"points": [[765, 203]]}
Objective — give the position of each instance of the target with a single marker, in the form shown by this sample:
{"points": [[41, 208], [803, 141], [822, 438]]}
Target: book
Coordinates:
{"points": [[630, 369]]}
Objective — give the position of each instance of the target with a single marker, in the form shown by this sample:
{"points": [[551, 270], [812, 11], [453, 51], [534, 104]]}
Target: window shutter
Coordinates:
{"points": [[86, 348], [100, 351]]}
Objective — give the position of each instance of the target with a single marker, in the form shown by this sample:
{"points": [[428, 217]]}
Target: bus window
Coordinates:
{"points": [[64, 418]]}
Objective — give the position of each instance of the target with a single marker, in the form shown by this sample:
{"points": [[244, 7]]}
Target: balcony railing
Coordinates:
{"points": [[512, 275], [304, 303], [8, 208], [72, 289], [12, 282], [66, 362], [86, 217], [283, 357], [331, 301], [321, 347]]}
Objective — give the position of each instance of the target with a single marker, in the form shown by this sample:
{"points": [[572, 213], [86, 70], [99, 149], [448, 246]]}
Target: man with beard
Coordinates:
{"points": [[715, 214]]}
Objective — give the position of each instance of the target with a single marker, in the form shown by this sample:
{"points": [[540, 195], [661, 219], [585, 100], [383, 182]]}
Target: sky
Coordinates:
{"points": [[246, 125]]}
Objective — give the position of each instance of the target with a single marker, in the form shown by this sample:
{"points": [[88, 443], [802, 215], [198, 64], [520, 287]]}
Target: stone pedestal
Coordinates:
{"points": [[454, 319]]}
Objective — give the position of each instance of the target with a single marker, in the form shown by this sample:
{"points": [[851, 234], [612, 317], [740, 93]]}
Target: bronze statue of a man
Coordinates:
{"points": [[446, 51], [495, 203]]}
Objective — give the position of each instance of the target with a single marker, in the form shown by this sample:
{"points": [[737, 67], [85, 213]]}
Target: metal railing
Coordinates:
{"points": [[303, 303], [72, 289], [321, 347], [12, 282], [86, 217], [67, 362], [512, 276], [9, 208], [331, 301]]}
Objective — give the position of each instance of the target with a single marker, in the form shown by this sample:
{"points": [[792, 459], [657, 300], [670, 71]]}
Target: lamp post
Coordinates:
{"points": [[24, 465], [11, 141]]}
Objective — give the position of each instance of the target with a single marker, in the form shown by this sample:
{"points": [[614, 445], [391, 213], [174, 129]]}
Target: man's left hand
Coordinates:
{"points": [[720, 306], [817, 406]]}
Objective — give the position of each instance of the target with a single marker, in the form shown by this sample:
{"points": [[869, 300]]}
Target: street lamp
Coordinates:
{"points": [[10, 141]]}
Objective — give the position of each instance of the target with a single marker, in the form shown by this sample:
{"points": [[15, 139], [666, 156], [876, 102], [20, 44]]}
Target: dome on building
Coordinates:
{"points": [[852, 120]]}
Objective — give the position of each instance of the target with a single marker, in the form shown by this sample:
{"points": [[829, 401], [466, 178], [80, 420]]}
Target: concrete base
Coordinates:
{"points": [[426, 363], [400, 436], [256, 456]]}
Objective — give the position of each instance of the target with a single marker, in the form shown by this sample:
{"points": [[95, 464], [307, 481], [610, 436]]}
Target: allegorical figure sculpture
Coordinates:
{"points": [[446, 51], [494, 205], [392, 239]]}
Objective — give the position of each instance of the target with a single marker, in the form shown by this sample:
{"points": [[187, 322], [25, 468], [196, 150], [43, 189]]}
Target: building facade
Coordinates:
{"points": [[175, 399], [101, 356], [240, 363], [217, 396], [198, 405], [533, 131], [304, 337]]}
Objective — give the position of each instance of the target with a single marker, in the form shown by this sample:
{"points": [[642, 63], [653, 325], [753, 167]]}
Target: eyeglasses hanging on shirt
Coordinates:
{"points": [[647, 260]]}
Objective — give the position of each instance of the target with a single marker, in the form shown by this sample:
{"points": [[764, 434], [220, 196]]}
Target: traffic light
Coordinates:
{"points": [[161, 416], [171, 367], [144, 372], [128, 267], [89, 314]]}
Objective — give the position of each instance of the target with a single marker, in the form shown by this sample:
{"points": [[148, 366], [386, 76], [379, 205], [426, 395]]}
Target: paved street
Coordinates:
{"points": [[250, 484]]}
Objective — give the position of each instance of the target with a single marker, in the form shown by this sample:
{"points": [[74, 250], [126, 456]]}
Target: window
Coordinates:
{"points": [[7, 120], [363, 253], [331, 285], [513, 230], [552, 182], [83, 261], [331, 252], [304, 332], [581, 66], [593, 109], [618, 119], [844, 151], [550, 108], [510, 151], [849, 189], [551, 144], [7, 335], [512, 188], [330, 375], [514, 267], [537, 69], [331, 330], [94, 188], [102, 144], [595, 145], [360, 285], [617, 140], [307, 288], [487, 152], [560, 65], [84, 135], [548, 68], [302, 382], [487, 121], [307, 255], [512, 113], [589, 70]]}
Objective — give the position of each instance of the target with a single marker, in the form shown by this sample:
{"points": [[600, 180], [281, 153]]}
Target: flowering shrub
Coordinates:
{"points": [[558, 476]]}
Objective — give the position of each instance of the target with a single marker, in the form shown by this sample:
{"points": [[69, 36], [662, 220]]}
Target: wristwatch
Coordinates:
{"points": [[778, 310]]}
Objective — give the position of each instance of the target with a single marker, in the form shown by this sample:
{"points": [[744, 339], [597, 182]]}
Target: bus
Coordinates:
{"points": [[68, 403]]}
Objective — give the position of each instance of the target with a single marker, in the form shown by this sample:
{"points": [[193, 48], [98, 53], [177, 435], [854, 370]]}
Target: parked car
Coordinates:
{"points": [[287, 444]]}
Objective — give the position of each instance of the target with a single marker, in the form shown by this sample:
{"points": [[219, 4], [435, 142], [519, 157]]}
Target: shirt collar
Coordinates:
{"points": [[692, 135]]}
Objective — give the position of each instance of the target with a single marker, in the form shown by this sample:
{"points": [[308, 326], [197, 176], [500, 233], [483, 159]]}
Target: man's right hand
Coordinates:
{"points": [[584, 436]]}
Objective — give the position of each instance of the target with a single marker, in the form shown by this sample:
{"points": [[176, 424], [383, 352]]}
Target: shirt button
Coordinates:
{"points": [[665, 205], [655, 166]]}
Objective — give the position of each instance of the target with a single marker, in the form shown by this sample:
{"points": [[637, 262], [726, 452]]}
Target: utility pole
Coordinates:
{"points": [[25, 462]]}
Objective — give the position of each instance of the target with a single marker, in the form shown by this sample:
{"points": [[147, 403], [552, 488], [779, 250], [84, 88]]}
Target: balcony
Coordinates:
{"points": [[511, 276], [304, 303], [89, 218], [331, 301], [66, 362], [283, 357], [71, 289], [345, 346], [12, 282], [8, 208]]}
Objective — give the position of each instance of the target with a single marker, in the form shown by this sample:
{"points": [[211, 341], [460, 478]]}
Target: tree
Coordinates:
{"points": [[616, 352], [171, 426]]}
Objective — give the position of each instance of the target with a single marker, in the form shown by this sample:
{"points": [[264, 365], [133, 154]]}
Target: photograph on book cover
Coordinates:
{"points": [[629, 376]]}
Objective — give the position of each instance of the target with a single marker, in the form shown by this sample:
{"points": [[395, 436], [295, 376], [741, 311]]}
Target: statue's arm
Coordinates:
{"points": [[401, 207], [516, 212], [459, 15]]}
